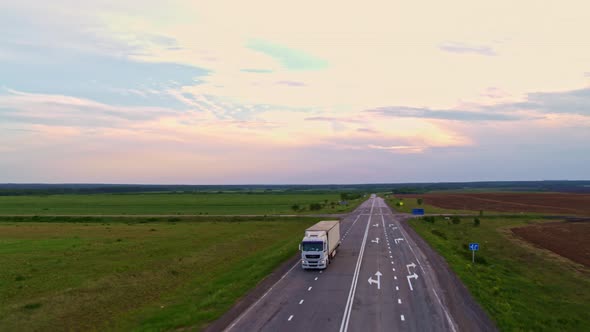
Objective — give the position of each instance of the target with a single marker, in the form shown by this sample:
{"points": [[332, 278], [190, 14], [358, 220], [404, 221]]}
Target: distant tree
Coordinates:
{"points": [[419, 201], [315, 206], [456, 220], [295, 207], [429, 219], [476, 222]]}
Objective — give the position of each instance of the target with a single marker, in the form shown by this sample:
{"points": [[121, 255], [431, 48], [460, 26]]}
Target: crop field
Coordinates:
{"points": [[554, 203], [175, 204], [523, 288], [134, 273]]}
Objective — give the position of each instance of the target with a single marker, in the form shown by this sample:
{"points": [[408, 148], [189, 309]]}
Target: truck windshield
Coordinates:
{"points": [[312, 246]]}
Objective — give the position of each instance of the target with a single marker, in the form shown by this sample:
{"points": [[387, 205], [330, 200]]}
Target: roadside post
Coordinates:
{"points": [[473, 247]]}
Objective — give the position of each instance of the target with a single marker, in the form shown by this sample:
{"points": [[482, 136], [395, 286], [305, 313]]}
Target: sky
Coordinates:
{"points": [[304, 92]]}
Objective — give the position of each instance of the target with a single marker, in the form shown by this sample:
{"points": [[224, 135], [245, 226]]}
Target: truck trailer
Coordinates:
{"points": [[319, 244]]}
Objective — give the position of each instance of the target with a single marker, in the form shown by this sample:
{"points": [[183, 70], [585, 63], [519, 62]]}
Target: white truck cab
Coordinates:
{"points": [[319, 244]]}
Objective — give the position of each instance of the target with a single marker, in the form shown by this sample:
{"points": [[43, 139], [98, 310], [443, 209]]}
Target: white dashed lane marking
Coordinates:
{"points": [[309, 288], [402, 317], [291, 317]]}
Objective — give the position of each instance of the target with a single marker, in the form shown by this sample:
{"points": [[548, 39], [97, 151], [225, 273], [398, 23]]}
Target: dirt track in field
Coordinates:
{"points": [[555, 203], [568, 239]]}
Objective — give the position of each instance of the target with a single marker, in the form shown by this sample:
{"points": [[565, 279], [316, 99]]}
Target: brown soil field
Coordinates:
{"points": [[568, 239], [557, 203]]}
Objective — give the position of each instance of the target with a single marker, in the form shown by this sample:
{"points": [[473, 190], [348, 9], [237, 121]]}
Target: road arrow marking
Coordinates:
{"points": [[397, 241], [378, 281], [375, 241], [413, 276], [410, 265]]}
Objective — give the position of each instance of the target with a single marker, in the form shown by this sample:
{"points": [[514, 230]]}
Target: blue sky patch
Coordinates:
{"points": [[289, 58]]}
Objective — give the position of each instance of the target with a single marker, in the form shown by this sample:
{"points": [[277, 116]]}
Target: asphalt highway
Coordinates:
{"points": [[383, 278]]}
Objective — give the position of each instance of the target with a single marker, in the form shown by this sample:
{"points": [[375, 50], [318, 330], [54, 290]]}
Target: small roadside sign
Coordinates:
{"points": [[418, 212], [473, 247]]}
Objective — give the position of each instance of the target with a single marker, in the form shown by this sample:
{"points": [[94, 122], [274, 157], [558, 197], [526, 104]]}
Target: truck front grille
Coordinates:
{"points": [[312, 256]]}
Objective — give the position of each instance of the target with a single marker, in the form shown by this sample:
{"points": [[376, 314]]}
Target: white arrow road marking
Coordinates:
{"points": [[378, 281], [375, 241], [413, 276], [410, 265], [398, 240]]}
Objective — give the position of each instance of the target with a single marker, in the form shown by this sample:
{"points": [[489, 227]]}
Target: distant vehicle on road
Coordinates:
{"points": [[319, 244]]}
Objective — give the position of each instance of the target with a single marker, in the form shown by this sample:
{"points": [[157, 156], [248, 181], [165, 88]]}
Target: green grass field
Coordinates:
{"points": [[522, 287], [129, 274], [172, 204]]}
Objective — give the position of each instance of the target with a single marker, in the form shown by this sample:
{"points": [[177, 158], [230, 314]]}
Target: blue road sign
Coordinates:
{"points": [[474, 246], [418, 212]]}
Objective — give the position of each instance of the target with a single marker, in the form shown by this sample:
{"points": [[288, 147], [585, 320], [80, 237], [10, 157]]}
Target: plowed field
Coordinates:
{"points": [[568, 239], [555, 203]]}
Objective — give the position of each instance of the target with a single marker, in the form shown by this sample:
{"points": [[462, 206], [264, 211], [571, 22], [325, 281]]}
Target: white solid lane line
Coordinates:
{"points": [[348, 308]]}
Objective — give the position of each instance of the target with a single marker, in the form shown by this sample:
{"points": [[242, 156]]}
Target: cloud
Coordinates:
{"points": [[565, 102], [332, 119], [462, 48], [367, 130], [256, 70], [449, 114], [291, 83], [59, 110], [290, 58], [399, 148]]}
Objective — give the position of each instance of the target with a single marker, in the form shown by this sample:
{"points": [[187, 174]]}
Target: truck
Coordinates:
{"points": [[319, 244]]}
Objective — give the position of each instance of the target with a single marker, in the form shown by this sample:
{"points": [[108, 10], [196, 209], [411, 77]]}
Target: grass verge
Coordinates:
{"points": [[134, 276], [412, 203], [521, 287]]}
